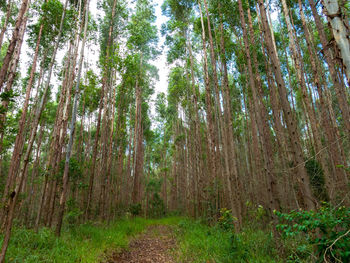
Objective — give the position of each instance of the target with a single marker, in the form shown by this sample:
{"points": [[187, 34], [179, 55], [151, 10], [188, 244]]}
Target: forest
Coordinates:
{"points": [[243, 155]]}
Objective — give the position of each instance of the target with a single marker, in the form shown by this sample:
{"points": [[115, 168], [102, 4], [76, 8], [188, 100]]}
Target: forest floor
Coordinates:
{"points": [[165, 240], [155, 245]]}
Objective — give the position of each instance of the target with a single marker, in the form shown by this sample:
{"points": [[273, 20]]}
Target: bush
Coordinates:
{"points": [[73, 213], [201, 243], [317, 182], [156, 206], [226, 220], [326, 230], [135, 209]]}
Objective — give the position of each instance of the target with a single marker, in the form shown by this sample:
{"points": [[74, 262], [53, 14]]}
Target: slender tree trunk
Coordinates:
{"points": [[15, 194], [138, 146], [14, 41], [289, 115], [97, 134], [4, 28], [305, 96], [340, 32], [210, 122], [16, 155], [35, 170], [11, 77], [72, 129], [339, 88]]}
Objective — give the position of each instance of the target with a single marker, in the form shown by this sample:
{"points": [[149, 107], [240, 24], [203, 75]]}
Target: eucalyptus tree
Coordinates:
{"points": [[289, 115], [329, 55], [12, 200], [106, 50], [162, 154], [8, 10], [20, 22], [44, 26], [72, 125], [42, 34], [181, 44], [340, 30], [111, 60], [142, 42], [256, 110]]}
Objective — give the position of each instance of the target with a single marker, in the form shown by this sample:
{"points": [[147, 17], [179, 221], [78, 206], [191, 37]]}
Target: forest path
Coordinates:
{"points": [[153, 246]]}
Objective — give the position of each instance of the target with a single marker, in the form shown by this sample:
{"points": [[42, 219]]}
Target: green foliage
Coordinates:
{"points": [[91, 93], [88, 243], [327, 230], [3, 51], [156, 207], [135, 209], [143, 33], [226, 220], [317, 181], [75, 169], [51, 13], [72, 215], [8, 96], [201, 243]]}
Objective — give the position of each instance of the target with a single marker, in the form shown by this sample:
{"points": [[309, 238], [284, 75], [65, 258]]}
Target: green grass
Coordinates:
{"points": [[85, 243], [201, 243], [196, 243]]}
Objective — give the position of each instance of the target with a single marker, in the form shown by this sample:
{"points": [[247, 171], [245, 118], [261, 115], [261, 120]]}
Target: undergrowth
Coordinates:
{"points": [[300, 237], [201, 243], [88, 243]]}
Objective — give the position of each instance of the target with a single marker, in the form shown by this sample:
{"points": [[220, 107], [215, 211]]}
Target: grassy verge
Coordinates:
{"points": [[201, 243], [85, 243], [196, 243]]}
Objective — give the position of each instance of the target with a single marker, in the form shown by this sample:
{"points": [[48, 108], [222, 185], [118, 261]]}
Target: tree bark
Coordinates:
{"points": [[13, 43], [15, 194], [4, 28], [289, 115]]}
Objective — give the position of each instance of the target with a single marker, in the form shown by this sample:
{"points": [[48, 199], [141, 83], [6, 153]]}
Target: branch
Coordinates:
{"points": [[330, 247]]}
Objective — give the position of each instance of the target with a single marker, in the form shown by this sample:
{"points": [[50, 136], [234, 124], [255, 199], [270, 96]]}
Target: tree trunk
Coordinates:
{"points": [[72, 129], [13, 43], [289, 115], [339, 88], [15, 194], [305, 96], [4, 28], [97, 135], [16, 155], [340, 33]]}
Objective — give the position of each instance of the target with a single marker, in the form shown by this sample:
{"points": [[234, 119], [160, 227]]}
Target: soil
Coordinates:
{"points": [[153, 246]]}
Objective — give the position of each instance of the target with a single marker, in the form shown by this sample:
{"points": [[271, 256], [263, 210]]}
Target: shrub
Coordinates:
{"points": [[327, 230], [226, 220], [135, 209]]}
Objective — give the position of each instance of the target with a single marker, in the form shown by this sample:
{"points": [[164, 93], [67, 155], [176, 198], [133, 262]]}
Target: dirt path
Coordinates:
{"points": [[154, 246]]}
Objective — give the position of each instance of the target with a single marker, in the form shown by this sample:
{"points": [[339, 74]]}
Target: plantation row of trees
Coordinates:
{"points": [[257, 109]]}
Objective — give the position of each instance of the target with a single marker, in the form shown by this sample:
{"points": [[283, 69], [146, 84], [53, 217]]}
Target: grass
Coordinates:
{"points": [[196, 243], [201, 243], [85, 243]]}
